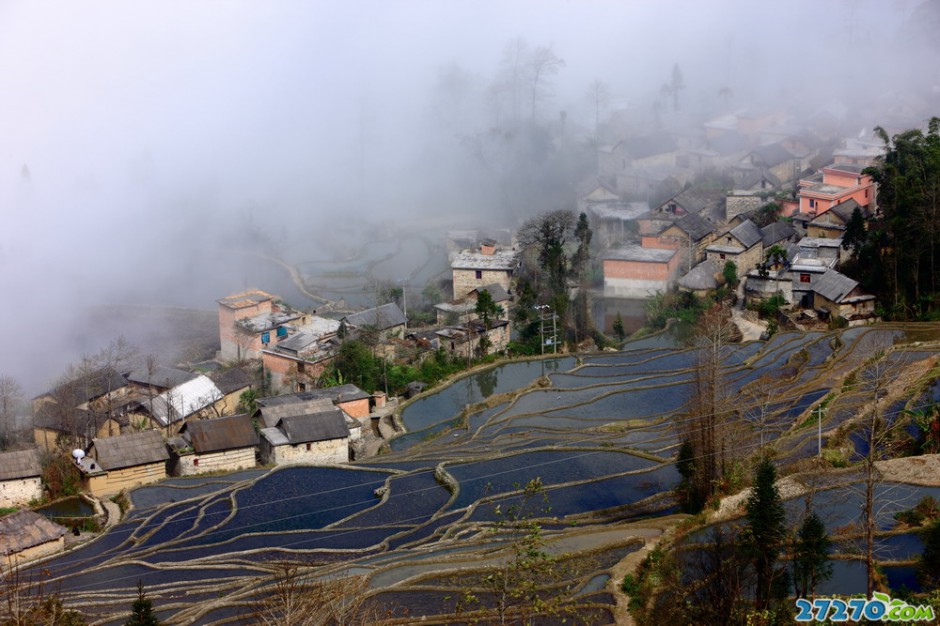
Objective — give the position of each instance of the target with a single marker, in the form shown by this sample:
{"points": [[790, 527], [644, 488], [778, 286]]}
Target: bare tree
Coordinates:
{"points": [[11, 403], [543, 64], [598, 95], [295, 598], [515, 59]]}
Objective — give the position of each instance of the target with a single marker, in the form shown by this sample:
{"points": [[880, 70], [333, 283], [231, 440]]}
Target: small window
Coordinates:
{"points": [[282, 331], [301, 386], [301, 367], [804, 278], [812, 203], [479, 274], [265, 338], [309, 447], [721, 256], [196, 462], [866, 193]]}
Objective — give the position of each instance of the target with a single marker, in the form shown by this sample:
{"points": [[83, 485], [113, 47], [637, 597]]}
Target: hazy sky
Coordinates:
{"points": [[149, 129]]}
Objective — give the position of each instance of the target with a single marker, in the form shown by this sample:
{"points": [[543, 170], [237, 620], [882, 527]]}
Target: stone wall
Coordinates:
{"points": [[225, 461], [466, 281], [327, 452], [20, 491]]}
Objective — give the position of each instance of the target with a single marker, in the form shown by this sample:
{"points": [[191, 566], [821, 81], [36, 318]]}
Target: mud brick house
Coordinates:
{"points": [[214, 445], [251, 321], [20, 481], [491, 264], [464, 310], [26, 536], [76, 411], [123, 462], [199, 397]]}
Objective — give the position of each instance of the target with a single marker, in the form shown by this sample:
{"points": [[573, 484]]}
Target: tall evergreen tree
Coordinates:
{"points": [[811, 564], [142, 613], [766, 535], [928, 570]]}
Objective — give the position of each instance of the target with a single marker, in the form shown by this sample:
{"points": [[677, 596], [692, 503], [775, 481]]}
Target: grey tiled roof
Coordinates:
{"points": [[702, 276], [223, 433], [314, 427], [770, 155], [26, 529], [19, 464], [272, 413], [497, 292], [383, 317], [161, 376], [747, 233], [129, 450], [777, 231], [834, 286], [696, 226]]}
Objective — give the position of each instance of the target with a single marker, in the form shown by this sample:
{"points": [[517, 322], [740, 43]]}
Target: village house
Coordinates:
{"points": [[488, 266], [296, 363], [639, 163], [858, 152], [462, 311], [834, 185], [690, 235], [349, 398], [701, 279], [464, 341], [251, 321], [833, 222], [774, 278], [779, 233], [773, 161], [319, 437], [157, 379], [20, 478], [387, 320], [742, 245], [196, 398], [27, 536], [459, 240], [113, 464], [815, 257], [214, 445], [840, 296], [80, 409], [639, 272]]}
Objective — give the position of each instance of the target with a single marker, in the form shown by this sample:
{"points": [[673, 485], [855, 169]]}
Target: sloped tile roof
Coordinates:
{"points": [[834, 286], [161, 376], [184, 400], [122, 451], [747, 233], [26, 529], [382, 318], [777, 231], [272, 413], [223, 433], [696, 226], [19, 464], [314, 427]]}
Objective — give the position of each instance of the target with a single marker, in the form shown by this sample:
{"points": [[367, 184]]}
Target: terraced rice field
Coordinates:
{"points": [[418, 522]]}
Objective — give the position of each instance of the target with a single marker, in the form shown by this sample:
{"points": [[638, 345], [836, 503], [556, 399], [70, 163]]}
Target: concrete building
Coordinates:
{"points": [[834, 185], [251, 321]]}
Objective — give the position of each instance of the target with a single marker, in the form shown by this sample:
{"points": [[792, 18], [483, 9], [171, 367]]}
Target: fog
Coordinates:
{"points": [[148, 149]]}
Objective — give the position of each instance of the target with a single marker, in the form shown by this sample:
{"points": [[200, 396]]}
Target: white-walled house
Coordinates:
{"points": [[20, 481], [320, 438]]}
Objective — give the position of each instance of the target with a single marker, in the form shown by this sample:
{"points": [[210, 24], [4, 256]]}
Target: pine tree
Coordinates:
{"points": [[766, 534], [928, 570], [142, 613], [811, 564]]}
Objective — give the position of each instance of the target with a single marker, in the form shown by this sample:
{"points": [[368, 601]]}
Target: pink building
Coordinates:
{"points": [[837, 183]]}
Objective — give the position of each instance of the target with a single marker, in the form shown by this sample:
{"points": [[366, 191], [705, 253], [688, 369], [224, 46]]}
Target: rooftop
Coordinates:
{"points": [[268, 321], [245, 299], [623, 211], [224, 433], [501, 260], [26, 529], [128, 450], [640, 254], [382, 317], [834, 286], [160, 376], [314, 427], [184, 400], [700, 277], [19, 464]]}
